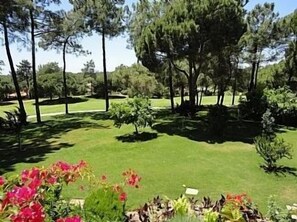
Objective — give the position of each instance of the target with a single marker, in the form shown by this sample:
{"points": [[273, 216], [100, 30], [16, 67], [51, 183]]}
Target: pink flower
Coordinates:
{"points": [[32, 174], [32, 213], [51, 179], [19, 196], [35, 183], [2, 181], [63, 166], [70, 219]]}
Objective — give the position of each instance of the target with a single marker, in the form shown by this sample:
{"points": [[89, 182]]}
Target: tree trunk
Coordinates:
{"points": [[192, 88], [182, 94], [197, 95], [222, 98], [136, 130], [214, 89], [201, 95], [256, 74], [65, 78], [254, 66], [218, 98], [23, 117], [37, 110], [28, 88], [234, 92], [105, 73], [171, 88]]}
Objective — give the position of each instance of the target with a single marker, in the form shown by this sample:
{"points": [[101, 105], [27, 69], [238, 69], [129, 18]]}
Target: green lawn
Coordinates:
{"points": [[94, 104], [177, 151]]}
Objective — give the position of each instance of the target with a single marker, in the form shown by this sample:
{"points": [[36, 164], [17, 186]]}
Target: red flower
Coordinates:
{"points": [[70, 219], [32, 213], [131, 178], [2, 181], [123, 197], [103, 177]]}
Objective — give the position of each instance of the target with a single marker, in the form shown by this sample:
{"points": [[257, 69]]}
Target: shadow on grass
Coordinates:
{"points": [[5, 103], [71, 100], [39, 140], [141, 137], [281, 170], [197, 128]]}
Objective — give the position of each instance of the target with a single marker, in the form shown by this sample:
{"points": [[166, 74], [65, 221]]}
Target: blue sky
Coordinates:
{"points": [[116, 48]]}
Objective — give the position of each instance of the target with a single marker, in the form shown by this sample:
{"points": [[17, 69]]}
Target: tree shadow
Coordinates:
{"points": [[281, 170], [71, 100], [100, 115], [197, 129], [140, 137], [39, 140], [6, 103]]}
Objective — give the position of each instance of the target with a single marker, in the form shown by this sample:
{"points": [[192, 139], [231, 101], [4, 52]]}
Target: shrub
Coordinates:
{"points": [[276, 213], [282, 103], [13, 123], [137, 112], [268, 124], [181, 206], [35, 195], [272, 150], [254, 106], [108, 202], [217, 119], [184, 109], [104, 205]]}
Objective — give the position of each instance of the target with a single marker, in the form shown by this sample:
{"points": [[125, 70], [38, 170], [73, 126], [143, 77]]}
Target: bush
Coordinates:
{"points": [[35, 195], [272, 150], [282, 103], [137, 112], [184, 109], [268, 124], [104, 205], [254, 106], [217, 119]]}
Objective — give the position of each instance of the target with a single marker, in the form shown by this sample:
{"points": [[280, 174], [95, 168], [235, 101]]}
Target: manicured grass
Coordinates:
{"points": [[95, 104], [177, 151]]}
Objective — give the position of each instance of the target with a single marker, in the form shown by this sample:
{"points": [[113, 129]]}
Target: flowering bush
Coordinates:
{"points": [[35, 194], [32, 196]]}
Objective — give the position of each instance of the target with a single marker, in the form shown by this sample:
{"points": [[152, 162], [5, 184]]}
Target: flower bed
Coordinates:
{"points": [[35, 196]]}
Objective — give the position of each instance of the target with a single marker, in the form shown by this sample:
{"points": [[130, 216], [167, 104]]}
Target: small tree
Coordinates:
{"points": [[268, 124], [137, 112], [272, 150]]}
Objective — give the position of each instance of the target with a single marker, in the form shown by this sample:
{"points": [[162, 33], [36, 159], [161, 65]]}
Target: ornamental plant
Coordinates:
{"points": [[108, 202], [35, 194], [272, 150], [137, 112]]}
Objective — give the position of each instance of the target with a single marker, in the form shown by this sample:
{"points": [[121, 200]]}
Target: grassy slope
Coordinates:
{"points": [[95, 104], [179, 155]]}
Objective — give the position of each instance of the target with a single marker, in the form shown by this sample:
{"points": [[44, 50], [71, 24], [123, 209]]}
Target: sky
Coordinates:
{"points": [[117, 52]]}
